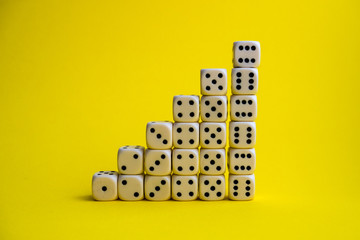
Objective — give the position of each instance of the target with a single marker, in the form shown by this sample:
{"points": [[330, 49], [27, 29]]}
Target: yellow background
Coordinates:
{"points": [[78, 79]]}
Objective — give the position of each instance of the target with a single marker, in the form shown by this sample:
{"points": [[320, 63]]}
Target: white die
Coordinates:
{"points": [[157, 188], [186, 108], [212, 135], [186, 135], [131, 159], [241, 161], [185, 161], [157, 162], [212, 161], [212, 187], [241, 187], [213, 108], [131, 187], [246, 54], [104, 186], [184, 188], [242, 134], [244, 81], [159, 135], [243, 108], [213, 81]]}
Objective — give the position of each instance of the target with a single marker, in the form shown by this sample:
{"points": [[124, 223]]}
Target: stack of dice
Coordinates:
{"points": [[243, 112]]}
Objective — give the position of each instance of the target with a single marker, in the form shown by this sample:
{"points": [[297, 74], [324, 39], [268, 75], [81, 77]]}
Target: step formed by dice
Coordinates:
{"points": [[184, 188], [241, 187], [104, 185], [131, 160], [241, 161], [131, 187]]}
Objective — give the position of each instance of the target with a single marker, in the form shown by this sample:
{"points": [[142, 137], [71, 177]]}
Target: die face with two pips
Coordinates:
{"points": [[131, 187], [104, 186], [131, 160], [159, 135]]}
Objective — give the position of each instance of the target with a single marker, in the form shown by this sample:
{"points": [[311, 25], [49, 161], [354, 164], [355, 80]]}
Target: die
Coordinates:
{"points": [[104, 186], [211, 187], [131, 187], [241, 187], [185, 161], [242, 134], [157, 188], [186, 108], [184, 188], [246, 54], [131, 159], [212, 135], [244, 81], [159, 135], [213, 81], [186, 135], [213, 108], [241, 161], [157, 162], [212, 161], [243, 108]]}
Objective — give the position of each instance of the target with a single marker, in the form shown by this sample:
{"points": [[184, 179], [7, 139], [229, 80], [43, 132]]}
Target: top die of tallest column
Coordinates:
{"points": [[246, 54]]}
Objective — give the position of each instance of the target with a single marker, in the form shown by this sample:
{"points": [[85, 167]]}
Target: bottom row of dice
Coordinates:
{"points": [[108, 185]]}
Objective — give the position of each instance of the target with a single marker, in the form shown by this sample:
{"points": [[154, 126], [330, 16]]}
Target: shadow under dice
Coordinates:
{"points": [[131, 160], [213, 108], [212, 187], [186, 135], [131, 187], [241, 161], [212, 161], [242, 134], [246, 54], [157, 188], [159, 135], [157, 162], [241, 187], [212, 135], [104, 186], [184, 188], [185, 161], [213, 81], [244, 81], [186, 108], [243, 108]]}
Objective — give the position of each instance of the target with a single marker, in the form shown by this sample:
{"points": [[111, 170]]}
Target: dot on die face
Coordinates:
{"points": [[244, 81], [186, 108], [159, 135], [213, 108], [104, 186], [241, 187], [246, 54], [213, 81], [241, 161], [131, 159], [243, 108]]}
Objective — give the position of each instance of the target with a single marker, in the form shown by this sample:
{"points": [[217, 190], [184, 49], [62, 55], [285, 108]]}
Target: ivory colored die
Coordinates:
{"points": [[159, 135], [212, 161], [104, 185], [212, 187], [244, 81], [186, 108], [242, 134], [131, 160], [184, 188], [157, 188], [157, 162], [185, 161], [131, 187], [186, 135], [241, 187], [241, 161], [212, 135], [213, 81], [243, 108], [246, 54], [213, 108]]}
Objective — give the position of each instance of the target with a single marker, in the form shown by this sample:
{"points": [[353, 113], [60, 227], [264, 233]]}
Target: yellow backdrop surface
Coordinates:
{"points": [[78, 79]]}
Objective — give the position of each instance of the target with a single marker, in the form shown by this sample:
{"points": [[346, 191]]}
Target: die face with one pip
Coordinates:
{"points": [[157, 162], [213, 108], [186, 108], [241, 161], [157, 188], [184, 188], [244, 81], [213, 81], [131, 160], [212, 187], [241, 187], [243, 108], [186, 135], [212, 161], [131, 187], [246, 54], [212, 135], [185, 161], [159, 135], [242, 134], [104, 186]]}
